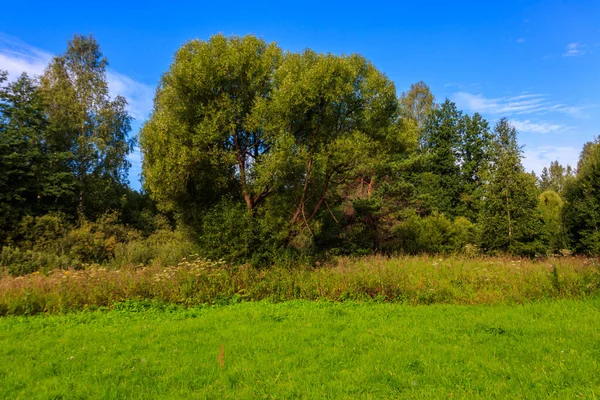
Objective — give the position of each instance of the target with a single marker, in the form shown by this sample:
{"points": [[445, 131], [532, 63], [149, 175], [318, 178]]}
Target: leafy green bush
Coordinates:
{"points": [[435, 233], [96, 241], [17, 262], [43, 233], [229, 233], [164, 247]]}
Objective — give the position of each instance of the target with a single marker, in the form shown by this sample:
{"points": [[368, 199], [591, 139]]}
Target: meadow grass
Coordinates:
{"points": [[407, 280], [300, 349]]}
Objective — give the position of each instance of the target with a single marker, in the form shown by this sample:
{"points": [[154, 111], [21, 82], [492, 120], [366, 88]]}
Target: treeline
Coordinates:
{"points": [[254, 154]]}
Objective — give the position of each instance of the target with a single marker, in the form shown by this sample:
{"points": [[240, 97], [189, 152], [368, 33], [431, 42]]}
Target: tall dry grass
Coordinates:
{"points": [[410, 280]]}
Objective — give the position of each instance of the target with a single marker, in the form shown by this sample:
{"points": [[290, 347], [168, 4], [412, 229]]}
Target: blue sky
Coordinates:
{"points": [[536, 62]]}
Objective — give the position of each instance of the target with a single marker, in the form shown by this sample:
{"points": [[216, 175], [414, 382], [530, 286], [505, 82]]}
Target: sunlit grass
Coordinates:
{"points": [[311, 350]]}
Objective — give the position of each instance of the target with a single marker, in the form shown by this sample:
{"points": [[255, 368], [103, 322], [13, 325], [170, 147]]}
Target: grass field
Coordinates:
{"points": [[299, 349]]}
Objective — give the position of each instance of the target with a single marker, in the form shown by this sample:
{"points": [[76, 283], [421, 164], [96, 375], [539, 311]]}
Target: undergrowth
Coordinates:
{"points": [[408, 280]]}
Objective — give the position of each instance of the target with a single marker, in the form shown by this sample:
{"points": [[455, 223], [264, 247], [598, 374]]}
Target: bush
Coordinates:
{"points": [[44, 233], [435, 233], [164, 247], [17, 262], [229, 233], [95, 242]]}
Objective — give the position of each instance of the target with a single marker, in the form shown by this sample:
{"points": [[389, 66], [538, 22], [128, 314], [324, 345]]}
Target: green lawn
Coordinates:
{"points": [[307, 350]]}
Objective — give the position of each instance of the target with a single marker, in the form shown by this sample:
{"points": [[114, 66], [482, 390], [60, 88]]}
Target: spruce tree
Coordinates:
{"points": [[582, 208], [510, 220]]}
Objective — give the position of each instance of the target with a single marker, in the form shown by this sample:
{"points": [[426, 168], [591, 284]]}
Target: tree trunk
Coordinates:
{"points": [[508, 215], [242, 165], [370, 188], [300, 207]]}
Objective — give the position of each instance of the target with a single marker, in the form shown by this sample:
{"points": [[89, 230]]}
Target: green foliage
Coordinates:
{"points": [[556, 177], [475, 156], [19, 261], [297, 126], [510, 219], [268, 157], [433, 234], [34, 179], [582, 208], [441, 187], [96, 241], [551, 205], [417, 103], [85, 123], [163, 247], [51, 241], [202, 139]]}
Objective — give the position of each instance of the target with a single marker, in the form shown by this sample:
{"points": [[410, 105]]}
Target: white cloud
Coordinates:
{"points": [[521, 104], [537, 127], [526, 103], [17, 57], [135, 172], [575, 49], [538, 158], [139, 96]]}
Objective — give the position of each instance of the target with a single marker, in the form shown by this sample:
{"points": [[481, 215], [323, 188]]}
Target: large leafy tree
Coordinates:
{"points": [[332, 113], [510, 219], [416, 105], [86, 122], [203, 141], [236, 122]]}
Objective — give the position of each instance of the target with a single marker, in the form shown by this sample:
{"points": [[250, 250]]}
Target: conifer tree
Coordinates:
{"points": [[510, 219], [582, 208]]}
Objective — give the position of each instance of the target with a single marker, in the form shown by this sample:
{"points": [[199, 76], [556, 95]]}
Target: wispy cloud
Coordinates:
{"points": [[575, 49], [522, 104], [537, 127], [139, 96], [17, 57], [521, 40], [537, 158], [135, 172]]}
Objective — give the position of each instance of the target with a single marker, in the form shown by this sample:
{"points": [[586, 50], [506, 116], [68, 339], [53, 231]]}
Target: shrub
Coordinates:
{"points": [[44, 233], [17, 262], [435, 233], [164, 247], [96, 242]]}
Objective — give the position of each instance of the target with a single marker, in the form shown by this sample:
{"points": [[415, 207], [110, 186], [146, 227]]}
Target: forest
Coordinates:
{"points": [[261, 156]]}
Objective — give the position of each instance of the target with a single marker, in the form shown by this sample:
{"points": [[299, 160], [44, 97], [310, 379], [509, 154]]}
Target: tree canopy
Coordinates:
{"points": [[261, 155]]}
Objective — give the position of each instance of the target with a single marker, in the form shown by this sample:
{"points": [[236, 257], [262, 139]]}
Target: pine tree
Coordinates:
{"points": [[34, 179], [582, 208], [439, 186], [510, 220], [475, 153]]}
